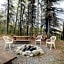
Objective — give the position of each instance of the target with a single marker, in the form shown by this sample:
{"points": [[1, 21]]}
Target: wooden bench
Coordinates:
{"points": [[6, 57], [21, 38]]}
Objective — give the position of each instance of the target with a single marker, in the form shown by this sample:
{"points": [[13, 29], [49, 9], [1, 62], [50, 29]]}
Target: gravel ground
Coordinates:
{"points": [[49, 56]]}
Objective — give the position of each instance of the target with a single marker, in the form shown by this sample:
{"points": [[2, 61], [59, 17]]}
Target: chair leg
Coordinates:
{"points": [[9, 46], [54, 46], [50, 46], [13, 45]]}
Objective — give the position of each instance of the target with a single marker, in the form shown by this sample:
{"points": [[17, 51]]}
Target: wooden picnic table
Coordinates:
{"points": [[21, 38], [6, 57]]}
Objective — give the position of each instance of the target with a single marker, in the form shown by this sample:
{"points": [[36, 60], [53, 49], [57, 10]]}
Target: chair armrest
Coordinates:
{"points": [[10, 40], [47, 40]]}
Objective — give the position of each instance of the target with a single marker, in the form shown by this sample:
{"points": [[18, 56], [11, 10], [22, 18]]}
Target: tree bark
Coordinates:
{"points": [[8, 17], [63, 30], [16, 18], [20, 23]]}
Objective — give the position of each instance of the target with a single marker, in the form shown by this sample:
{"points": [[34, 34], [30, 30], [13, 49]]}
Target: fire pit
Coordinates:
{"points": [[29, 50]]}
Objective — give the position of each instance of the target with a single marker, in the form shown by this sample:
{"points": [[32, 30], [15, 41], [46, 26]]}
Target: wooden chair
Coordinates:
{"points": [[38, 39], [51, 41], [8, 41]]}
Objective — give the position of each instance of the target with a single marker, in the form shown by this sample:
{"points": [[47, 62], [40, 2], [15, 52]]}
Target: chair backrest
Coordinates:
{"points": [[53, 38], [6, 38], [39, 37]]}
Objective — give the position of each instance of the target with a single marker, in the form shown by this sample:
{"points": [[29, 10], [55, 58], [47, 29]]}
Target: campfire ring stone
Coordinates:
{"points": [[29, 50]]}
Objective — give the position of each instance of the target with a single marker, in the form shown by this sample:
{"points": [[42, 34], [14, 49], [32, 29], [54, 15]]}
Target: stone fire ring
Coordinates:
{"points": [[29, 50]]}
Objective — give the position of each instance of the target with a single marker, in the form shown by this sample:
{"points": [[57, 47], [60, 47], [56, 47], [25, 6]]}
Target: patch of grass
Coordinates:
{"points": [[60, 46]]}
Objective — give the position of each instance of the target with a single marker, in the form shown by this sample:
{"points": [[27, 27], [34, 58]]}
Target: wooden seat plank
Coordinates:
{"points": [[6, 56]]}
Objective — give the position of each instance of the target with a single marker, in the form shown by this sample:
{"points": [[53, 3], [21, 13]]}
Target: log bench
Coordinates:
{"points": [[6, 57], [21, 38]]}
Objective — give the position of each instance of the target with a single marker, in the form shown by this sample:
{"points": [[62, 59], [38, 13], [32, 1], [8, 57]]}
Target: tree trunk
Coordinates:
{"points": [[16, 18], [48, 18], [63, 30], [8, 17], [48, 32], [32, 16], [28, 20], [20, 24]]}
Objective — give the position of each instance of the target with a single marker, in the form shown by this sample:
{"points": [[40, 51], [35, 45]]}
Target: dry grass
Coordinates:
{"points": [[60, 46]]}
